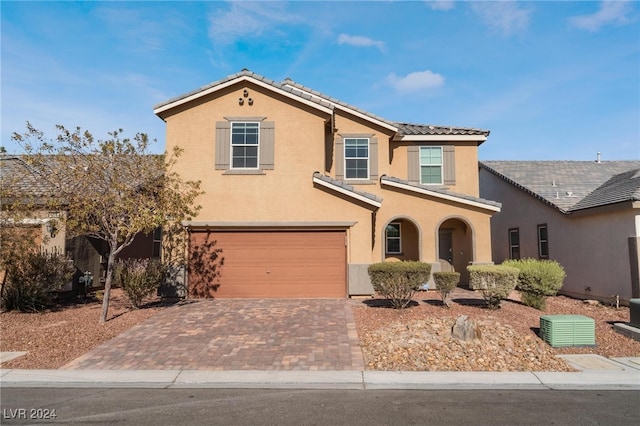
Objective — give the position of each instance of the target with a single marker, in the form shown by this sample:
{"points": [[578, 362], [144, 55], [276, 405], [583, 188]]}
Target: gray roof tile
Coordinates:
{"points": [[442, 191], [571, 185], [424, 129], [346, 187]]}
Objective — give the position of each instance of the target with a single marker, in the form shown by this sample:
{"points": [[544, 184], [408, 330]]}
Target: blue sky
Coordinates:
{"points": [[550, 80]]}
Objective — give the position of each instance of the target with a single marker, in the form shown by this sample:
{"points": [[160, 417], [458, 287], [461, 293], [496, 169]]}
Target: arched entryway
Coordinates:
{"points": [[455, 246], [401, 238]]}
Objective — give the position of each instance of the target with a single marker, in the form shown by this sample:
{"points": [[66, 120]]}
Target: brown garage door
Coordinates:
{"points": [[275, 264]]}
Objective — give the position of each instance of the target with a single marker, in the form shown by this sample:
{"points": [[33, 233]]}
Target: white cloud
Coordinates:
{"points": [[611, 12], [360, 41], [419, 80], [443, 5], [505, 17], [248, 19]]}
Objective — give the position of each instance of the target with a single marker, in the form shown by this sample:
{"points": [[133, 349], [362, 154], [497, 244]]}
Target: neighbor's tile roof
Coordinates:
{"points": [[18, 179], [311, 95], [572, 185]]}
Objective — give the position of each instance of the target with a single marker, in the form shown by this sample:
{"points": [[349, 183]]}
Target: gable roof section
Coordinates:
{"points": [[343, 188], [441, 193], [569, 186], [244, 75], [327, 104]]}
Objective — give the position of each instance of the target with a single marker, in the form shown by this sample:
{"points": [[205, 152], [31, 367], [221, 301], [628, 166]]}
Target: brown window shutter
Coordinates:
{"points": [[413, 164], [339, 158], [267, 145], [373, 158], [223, 145], [449, 164]]}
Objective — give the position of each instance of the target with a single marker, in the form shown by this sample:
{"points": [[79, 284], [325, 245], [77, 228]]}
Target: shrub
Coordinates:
{"points": [[495, 282], [33, 277], [398, 281], [139, 278], [537, 280], [445, 283]]}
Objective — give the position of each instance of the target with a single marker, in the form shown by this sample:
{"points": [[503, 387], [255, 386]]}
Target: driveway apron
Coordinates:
{"points": [[236, 334]]}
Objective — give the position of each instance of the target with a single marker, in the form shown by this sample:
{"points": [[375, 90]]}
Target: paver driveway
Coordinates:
{"points": [[237, 334]]}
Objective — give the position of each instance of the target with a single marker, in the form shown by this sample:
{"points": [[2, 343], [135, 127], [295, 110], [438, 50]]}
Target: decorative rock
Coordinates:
{"points": [[465, 329]]}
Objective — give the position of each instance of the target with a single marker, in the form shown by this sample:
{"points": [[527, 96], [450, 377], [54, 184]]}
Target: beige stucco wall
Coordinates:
{"points": [[287, 193], [593, 249]]}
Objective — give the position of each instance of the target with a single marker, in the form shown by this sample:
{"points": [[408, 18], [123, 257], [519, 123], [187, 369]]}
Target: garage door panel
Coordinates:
{"points": [[274, 264]]}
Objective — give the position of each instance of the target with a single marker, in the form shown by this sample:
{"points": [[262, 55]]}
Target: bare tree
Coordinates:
{"points": [[111, 189]]}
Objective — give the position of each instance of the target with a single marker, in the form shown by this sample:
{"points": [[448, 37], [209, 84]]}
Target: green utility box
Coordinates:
{"points": [[568, 330]]}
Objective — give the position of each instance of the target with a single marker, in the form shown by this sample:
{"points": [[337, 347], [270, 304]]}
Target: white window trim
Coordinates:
{"points": [[356, 158], [427, 165], [231, 145], [399, 238]]}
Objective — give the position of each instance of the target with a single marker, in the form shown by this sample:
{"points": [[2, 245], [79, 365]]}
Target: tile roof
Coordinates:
{"points": [[424, 129], [436, 190], [572, 185], [344, 186], [314, 96], [17, 178]]}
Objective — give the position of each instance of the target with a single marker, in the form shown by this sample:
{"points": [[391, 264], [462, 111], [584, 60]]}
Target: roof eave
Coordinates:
{"points": [[374, 203], [425, 191], [440, 138]]}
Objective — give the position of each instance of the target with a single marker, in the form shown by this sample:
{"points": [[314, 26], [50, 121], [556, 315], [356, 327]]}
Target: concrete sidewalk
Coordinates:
{"points": [[597, 373]]}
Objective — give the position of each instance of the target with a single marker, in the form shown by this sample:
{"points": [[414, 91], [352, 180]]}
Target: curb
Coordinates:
{"points": [[624, 379]]}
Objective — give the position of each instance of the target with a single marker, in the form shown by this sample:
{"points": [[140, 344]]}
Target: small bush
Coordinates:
{"points": [[139, 278], [32, 279], [398, 281], [495, 282], [445, 283], [537, 280]]}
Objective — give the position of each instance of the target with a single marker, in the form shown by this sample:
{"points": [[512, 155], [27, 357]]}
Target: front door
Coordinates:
{"points": [[445, 249]]}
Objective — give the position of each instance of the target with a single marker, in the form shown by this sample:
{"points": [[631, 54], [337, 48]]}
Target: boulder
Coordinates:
{"points": [[465, 329]]}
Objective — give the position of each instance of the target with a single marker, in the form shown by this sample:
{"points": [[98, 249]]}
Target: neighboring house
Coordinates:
{"points": [[88, 254], [584, 214], [303, 192]]}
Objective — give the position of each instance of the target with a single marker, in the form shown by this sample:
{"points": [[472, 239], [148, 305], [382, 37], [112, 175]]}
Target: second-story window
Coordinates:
{"points": [[356, 158], [244, 145], [431, 165]]}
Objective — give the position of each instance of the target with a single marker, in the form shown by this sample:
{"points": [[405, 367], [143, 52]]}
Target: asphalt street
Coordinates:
{"points": [[317, 407]]}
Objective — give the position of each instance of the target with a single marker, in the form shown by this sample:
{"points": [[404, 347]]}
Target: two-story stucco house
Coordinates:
{"points": [[303, 191]]}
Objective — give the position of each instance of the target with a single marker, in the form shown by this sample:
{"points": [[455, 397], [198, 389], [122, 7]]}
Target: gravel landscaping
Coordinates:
{"points": [[417, 338]]}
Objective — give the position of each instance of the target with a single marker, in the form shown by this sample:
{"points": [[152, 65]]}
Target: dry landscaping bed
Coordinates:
{"points": [[58, 336], [417, 338]]}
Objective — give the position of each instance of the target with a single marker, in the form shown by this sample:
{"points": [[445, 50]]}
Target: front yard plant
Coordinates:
{"points": [[445, 283], [398, 281], [495, 282], [537, 280], [139, 278], [32, 278]]}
